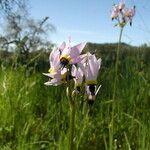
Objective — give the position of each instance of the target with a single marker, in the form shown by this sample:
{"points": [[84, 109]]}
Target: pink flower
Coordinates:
{"points": [[55, 74], [115, 12], [91, 69], [122, 14], [90, 66], [57, 79], [62, 56], [121, 5], [129, 12], [84, 59], [54, 59], [70, 55]]}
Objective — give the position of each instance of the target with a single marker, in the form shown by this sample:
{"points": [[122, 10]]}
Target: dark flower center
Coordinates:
{"points": [[78, 88], [64, 62], [92, 89]]}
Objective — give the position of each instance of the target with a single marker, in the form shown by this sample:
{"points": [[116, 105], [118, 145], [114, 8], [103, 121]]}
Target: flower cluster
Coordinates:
{"points": [[122, 14], [67, 63]]}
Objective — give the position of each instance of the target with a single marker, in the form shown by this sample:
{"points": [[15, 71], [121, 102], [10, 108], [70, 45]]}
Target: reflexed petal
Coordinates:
{"points": [[115, 12], [53, 54], [129, 12], [47, 74], [72, 54], [99, 63], [53, 82], [121, 5], [53, 75], [62, 47], [76, 50], [84, 61], [75, 60], [91, 68], [54, 58]]}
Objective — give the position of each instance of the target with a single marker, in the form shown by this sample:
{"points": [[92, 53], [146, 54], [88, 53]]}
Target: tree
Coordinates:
{"points": [[9, 6], [24, 34]]}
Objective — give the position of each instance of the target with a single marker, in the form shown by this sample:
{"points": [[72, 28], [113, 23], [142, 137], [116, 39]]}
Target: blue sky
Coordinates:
{"points": [[89, 20]]}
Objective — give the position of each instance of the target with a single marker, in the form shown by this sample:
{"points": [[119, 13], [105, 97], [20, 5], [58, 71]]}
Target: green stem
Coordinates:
{"points": [[72, 124], [72, 111], [111, 127], [116, 64]]}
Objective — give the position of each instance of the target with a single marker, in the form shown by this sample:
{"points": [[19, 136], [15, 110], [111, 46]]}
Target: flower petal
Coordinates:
{"points": [[76, 50], [53, 82]]}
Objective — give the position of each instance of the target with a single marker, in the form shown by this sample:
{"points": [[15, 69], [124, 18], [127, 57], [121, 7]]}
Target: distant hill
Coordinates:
{"points": [[107, 51]]}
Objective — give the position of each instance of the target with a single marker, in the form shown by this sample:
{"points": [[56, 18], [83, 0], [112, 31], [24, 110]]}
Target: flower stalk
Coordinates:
{"points": [[72, 109], [72, 124], [117, 62], [122, 15], [111, 128]]}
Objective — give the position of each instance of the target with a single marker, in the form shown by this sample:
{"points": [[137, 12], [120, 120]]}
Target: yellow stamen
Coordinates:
{"points": [[52, 70], [91, 82], [78, 84], [63, 77], [67, 57]]}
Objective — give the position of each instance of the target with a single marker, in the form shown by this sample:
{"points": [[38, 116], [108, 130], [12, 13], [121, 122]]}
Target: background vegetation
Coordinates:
{"points": [[36, 117], [33, 116]]}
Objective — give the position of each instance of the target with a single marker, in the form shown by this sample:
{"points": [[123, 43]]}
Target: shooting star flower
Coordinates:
{"points": [[70, 55], [91, 68], [115, 12], [129, 13], [122, 14]]}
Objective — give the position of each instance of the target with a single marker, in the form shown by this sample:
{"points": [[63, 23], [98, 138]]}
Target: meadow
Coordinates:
{"points": [[36, 117]]}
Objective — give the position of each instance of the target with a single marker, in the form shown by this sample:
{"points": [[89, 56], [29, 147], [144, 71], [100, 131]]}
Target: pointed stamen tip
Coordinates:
{"points": [[92, 97]]}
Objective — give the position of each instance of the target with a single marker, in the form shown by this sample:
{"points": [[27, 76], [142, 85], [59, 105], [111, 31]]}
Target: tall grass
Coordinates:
{"points": [[36, 117]]}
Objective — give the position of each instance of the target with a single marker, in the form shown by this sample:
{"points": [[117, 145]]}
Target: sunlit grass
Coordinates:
{"points": [[33, 116]]}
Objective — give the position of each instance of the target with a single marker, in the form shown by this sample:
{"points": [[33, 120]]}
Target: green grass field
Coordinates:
{"points": [[36, 117]]}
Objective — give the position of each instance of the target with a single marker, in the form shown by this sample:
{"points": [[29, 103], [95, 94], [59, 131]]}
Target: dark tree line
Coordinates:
{"points": [[21, 33]]}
